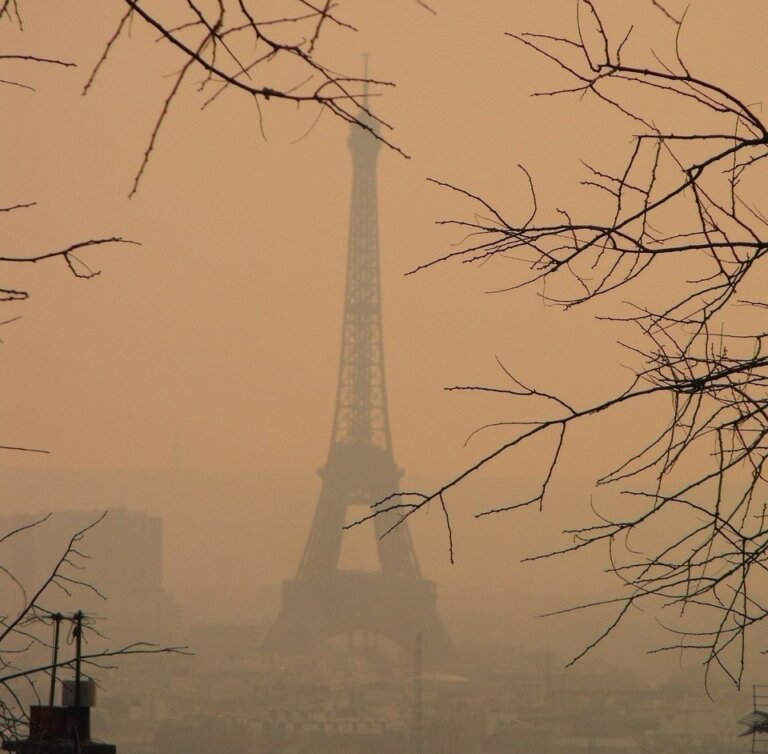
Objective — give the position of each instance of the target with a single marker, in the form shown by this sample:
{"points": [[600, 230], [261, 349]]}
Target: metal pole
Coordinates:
{"points": [[56, 617], [78, 654], [418, 701]]}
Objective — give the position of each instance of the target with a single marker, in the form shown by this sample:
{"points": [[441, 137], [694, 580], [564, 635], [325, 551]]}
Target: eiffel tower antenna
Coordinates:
{"points": [[324, 600]]}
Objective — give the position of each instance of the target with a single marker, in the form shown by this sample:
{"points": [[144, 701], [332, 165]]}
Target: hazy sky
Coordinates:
{"points": [[214, 344], [216, 341]]}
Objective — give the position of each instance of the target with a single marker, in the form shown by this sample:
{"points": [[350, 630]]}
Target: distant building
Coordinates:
{"points": [[120, 558]]}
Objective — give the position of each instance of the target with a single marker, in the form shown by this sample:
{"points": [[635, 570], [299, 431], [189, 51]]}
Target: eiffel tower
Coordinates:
{"points": [[323, 600]]}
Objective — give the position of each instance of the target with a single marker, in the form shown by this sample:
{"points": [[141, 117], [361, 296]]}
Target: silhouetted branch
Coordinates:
{"points": [[24, 629], [263, 58], [696, 492]]}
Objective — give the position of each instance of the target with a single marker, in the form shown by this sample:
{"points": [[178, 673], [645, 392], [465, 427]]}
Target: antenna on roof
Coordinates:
{"points": [[56, 618]]}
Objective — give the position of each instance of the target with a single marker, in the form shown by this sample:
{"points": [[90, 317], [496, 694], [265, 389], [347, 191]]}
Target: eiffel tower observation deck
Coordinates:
{"points": [[324, 600]]}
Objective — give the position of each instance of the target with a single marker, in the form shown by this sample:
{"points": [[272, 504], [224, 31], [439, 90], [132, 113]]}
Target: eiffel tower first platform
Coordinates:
{"points": [[323, 600]]}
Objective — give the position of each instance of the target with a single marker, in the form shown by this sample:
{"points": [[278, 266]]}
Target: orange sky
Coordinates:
{"points": [[215, 343], [216, 340]]}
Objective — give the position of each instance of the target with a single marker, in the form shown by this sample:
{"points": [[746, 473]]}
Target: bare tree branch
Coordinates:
{"points": [[695, 494]]}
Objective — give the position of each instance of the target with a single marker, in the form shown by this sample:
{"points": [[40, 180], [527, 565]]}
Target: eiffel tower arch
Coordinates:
{"points": [[323, 600]]}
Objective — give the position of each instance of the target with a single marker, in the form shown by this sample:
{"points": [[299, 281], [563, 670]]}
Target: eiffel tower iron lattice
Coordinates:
{"points": [[324, 600]]}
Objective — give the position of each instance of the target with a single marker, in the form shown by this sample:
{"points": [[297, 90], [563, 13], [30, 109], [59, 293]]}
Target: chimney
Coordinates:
{"points": [[66, 728]]}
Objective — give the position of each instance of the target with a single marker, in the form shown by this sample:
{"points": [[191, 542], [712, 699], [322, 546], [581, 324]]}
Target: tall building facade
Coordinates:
{"points": [[119, 558]]}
